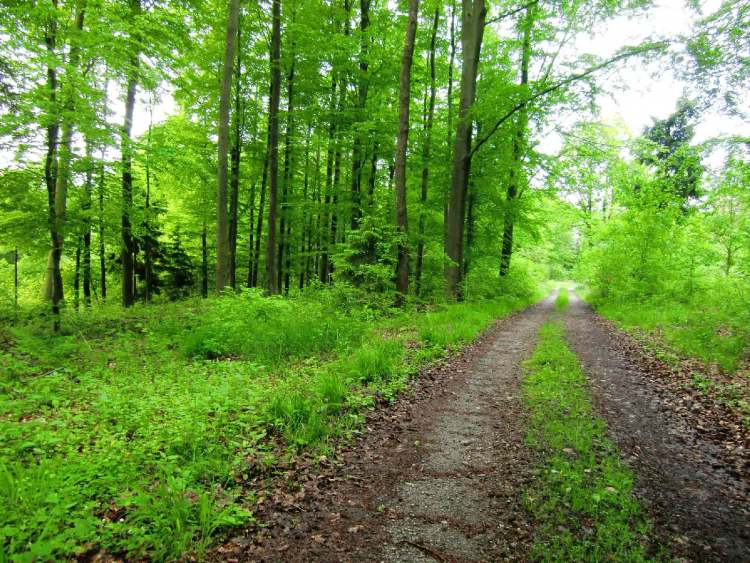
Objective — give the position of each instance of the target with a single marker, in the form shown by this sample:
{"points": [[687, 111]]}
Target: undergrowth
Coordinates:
{"points": [[582, 495], [138, 435]]}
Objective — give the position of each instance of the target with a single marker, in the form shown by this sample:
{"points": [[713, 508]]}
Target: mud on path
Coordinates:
{"points": [[439, 476], [699, 502]]}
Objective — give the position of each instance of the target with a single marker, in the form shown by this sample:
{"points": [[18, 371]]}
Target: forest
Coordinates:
{"points": [[412, 280]]}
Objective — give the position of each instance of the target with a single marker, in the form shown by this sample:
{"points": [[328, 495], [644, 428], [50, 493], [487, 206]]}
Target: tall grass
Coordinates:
{"points": [[140, 434]]}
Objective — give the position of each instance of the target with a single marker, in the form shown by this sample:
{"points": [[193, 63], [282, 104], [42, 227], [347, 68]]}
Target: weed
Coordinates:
{"points": [[582, 496]]}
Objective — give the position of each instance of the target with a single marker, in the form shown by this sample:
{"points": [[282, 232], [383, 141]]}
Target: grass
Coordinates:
{"points": [[138, 433], [561, 301], [582, 495], [713, 330]]}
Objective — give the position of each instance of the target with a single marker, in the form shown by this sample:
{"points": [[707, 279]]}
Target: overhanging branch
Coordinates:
{"points": [[564, 82]]}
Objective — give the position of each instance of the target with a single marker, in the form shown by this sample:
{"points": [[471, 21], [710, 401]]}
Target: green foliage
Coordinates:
{"points": [[137, 432], [582, 497]]}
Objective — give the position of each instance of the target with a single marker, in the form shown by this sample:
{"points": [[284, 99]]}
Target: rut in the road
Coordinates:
{"points": [[462, 498], [438, 476], [701, 510]]}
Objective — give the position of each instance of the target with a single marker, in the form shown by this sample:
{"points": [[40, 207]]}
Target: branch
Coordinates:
{"points": [[564, 82], [511, 13]]}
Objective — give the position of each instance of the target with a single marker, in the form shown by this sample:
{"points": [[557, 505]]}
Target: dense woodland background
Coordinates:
{"points": [[358, 157]]}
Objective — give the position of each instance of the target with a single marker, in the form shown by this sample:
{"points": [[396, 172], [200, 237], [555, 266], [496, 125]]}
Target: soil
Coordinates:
{"points": [[690, 480], [440, 474], [437, 476]]}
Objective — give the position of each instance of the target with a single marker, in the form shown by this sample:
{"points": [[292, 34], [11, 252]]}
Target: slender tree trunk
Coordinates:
{"points": [[358, 158], [518, 150], [236, 153], [148, 239], [284, 219], [306, 216], [128, 242], [324, 257], [204, 262], [77, 276], [53, 279], [449, 146], [273, 116], [65, 156], [102, 255], [402, 141], [472, 30], [250, 239], [86, 206], [261, 213], [222, 222], [429, 117], [15, 284], [470, 230]]}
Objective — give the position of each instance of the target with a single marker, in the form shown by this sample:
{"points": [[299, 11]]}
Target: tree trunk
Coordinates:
{"points": [[324, 256], [402, 141], [518, 150], [77, 276], [472, 30], [222, 225], [54, 285], [429, 116], [128, 243], [102, 256], [273, 136], [86, 206], [236, 153], [362, 89], [449, 145], [284, 220], [53, 279], [15, 284], [148, 239], [204, 262]]}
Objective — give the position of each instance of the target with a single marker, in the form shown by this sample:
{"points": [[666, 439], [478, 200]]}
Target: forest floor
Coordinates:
{"points": [[445, 473]]}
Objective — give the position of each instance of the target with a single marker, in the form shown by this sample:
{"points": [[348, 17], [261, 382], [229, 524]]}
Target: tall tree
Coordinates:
{"points": [[358, 158], [518, 148], [128, 241], [54, 286], [402, 142], [222, 222], [426, 146], [273, 146], [472, 32]]}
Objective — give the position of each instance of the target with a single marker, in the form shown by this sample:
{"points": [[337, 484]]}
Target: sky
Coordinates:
{"points": [[644, 92]]}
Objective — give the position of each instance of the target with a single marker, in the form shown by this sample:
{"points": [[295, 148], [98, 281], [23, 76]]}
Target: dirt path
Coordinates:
{"points": [[437, 477], [701, 506]]}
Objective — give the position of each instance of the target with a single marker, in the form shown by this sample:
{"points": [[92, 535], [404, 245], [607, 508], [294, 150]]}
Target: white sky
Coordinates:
{"points": [[645, 91]]}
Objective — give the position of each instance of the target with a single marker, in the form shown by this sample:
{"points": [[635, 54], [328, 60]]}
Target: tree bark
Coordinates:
{"points": [[86, 207], [430, 114], [518, 150], [204, 262], [472, 30], [324, 256], [362, 90], [222, 221], [273, 116], [128, 243], [284, 222], [236, 153], [402, 141], [54, 284]]}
